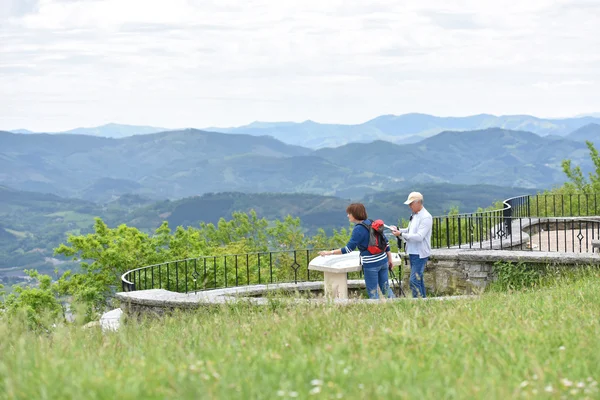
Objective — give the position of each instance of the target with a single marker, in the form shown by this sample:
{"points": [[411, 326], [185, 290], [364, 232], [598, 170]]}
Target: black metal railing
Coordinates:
{"points": [[479, 228], [571, 234], [567, 235], [212, 272]]}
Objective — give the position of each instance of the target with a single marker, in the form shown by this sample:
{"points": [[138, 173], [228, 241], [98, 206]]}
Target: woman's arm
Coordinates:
{"points": [[352, 244]]}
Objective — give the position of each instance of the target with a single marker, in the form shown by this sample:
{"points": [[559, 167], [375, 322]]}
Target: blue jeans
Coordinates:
{"points": [[377, 276], [417, 269]]}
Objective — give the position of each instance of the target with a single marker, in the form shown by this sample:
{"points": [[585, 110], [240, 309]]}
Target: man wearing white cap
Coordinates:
{"points": [[418, 241]]}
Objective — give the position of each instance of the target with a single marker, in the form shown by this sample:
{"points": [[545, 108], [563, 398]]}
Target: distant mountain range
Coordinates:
{"points": [[109, 130], [399, 129], [403, 129], [191, 162]]}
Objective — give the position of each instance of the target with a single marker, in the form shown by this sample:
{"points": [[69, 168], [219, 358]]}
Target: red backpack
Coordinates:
{"points": [[377, 241]]}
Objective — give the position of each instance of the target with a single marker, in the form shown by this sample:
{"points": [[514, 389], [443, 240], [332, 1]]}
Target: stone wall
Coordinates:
{"points": [[462, 271]]}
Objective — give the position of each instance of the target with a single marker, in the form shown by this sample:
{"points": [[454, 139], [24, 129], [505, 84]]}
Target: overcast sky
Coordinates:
{"points": [[201, 63]]}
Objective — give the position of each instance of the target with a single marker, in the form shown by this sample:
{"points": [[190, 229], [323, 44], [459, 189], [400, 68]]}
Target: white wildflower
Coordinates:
{"points": [[561, 348], [293, 394], [524, 384], [315, 390], [566, 382], [580, 384], [549, 389], [316, 382], [281, 393]]}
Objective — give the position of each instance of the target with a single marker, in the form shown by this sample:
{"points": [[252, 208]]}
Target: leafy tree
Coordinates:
{"points": [[107, 253], [336, 240], [576, 197], [287, 234], [575, 175], [242, 227], [114, 251]]}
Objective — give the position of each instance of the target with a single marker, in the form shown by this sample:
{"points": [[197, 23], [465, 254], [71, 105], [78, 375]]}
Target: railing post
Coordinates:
{"points": [[186, 275], [507, 220], [459, 232]]}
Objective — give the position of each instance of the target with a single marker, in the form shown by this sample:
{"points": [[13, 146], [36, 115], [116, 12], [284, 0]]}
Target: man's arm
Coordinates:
{"points": [[422, 231]]}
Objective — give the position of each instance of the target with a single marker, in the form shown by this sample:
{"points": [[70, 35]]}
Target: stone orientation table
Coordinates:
{"points": [[335, 269]]}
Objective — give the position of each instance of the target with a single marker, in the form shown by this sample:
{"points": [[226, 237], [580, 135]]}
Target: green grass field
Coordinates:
{"points": [[542, 343]]}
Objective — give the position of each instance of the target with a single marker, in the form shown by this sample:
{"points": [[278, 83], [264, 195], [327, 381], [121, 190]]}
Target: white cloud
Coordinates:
{"points": [[66, 63]]}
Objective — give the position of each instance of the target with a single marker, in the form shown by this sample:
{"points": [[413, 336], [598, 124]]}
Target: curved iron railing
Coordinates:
{"points": [[212, 272]]}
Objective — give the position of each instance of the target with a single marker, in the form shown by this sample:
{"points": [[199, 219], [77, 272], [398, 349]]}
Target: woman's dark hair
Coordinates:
{"points": [[357, 210]]}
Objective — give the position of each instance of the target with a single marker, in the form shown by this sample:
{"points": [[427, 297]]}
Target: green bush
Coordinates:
{"points": [[37, 303]]}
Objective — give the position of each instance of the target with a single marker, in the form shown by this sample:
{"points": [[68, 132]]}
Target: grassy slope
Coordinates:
{"points": [[542, 343]]}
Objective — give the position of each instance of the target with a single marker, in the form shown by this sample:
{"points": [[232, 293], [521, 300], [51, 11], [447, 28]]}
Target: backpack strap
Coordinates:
{"points": [[363, 224], [368, 228]]}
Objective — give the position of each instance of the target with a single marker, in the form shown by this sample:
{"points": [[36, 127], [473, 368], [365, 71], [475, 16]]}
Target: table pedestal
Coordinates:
{"points": [[336, 285]]}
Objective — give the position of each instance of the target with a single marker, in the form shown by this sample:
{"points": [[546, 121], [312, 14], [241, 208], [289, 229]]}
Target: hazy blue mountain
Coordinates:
{"points": [[407, 128], [589, 132], [109, 130], [502, 157], [308, 133], [21, 131]]}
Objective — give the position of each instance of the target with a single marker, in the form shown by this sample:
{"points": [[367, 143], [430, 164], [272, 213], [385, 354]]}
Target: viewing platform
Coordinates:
{"points": [[558, 230]]}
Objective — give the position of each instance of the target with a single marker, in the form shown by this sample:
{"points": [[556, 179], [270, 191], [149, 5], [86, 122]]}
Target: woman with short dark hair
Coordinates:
{"points": [[375, 266]]}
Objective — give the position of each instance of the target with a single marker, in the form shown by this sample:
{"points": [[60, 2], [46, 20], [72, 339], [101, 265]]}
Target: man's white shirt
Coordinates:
{"points": [[418, 234]]}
